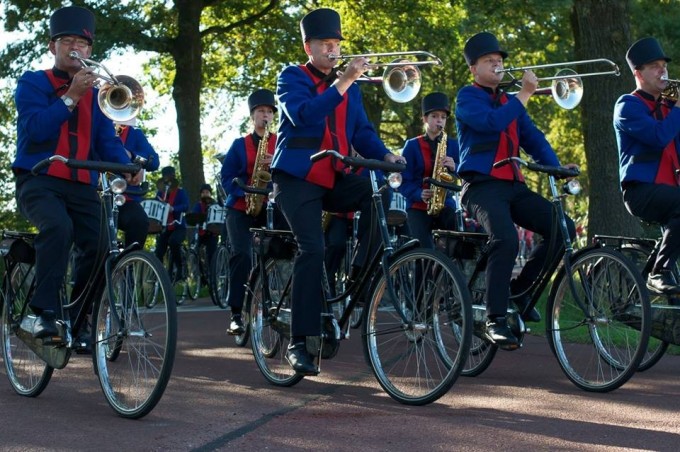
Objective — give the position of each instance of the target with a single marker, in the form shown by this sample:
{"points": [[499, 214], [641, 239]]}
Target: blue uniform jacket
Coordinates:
{"points": [[412, 184], [641, 138], [303, 122], [481, 124], [40, 116], [180, 206], [137, 143]]}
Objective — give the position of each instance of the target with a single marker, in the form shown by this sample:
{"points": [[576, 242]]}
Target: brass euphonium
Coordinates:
{"points": [[439, 172], [261, 175]]}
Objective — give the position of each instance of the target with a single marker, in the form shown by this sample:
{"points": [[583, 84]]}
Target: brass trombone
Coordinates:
{"points": [[672, 91], [121, 98], [567, 87], [401, 79]]}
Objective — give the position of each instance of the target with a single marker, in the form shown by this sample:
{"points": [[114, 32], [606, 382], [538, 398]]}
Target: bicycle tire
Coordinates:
{"points": [[656, 348], [602, 350], [134, 383], [219, 277], [268, 344], [241, 340], [27, 373], [419, 362]]}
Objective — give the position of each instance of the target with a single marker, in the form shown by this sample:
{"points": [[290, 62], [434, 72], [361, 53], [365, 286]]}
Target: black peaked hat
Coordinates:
{"points": [[168, 171], [436, 101], [261, 97], [322, 23], [72, 20], [481, 44], [644, 51], [206, 187]]}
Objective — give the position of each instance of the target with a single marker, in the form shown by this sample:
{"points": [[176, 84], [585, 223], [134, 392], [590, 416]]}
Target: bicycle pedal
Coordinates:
{"points": [[53, 340]]}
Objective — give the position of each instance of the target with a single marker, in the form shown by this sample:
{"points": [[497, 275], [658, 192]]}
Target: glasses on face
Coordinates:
{"points": [[70, 41]]}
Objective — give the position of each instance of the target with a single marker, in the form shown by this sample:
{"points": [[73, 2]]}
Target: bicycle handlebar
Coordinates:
{"points": [[446, 185], [92, 165], [557, 171], [250, 188], [359, 162]]}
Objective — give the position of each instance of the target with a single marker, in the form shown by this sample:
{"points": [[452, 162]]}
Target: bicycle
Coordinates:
{"points": [[597, 313], [413, 295], [134, 345], [665, 309]]}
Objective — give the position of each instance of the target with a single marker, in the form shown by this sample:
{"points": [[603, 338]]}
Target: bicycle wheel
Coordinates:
{"points": [[27, 373], [601, 348], [193, 273], [656, 347], [419, 361], [269, 340], [219, 276], [145, 337], [178, 281]]}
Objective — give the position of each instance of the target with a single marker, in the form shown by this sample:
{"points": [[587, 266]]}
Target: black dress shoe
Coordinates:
{"points": [[236, 327], [499, 333], [533, 315], [83, 343], [662, 283], [45, 325], [300, 360]]}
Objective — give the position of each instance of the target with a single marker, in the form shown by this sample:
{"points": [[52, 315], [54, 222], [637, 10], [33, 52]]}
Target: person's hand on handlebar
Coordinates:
{"points": [[394, 158]]}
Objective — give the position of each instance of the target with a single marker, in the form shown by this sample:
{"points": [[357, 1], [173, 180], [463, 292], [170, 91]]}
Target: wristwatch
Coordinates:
{"points": [[68, 102]]}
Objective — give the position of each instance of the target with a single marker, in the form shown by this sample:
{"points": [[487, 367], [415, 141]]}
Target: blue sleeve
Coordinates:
{"points": [[300, 102], [196, 208], [138, 144], [38, 115], [234, 165], [474, 110], [181, 203], [365, 139], [412, 176], [632, 117]]}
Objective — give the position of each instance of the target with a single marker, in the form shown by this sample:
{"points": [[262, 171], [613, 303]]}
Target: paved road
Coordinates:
{"points": [[217, 400]]}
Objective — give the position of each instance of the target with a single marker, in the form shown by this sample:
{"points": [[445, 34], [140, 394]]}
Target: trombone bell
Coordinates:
{"points": [[567, 90], [401, 82], [121, 101]]}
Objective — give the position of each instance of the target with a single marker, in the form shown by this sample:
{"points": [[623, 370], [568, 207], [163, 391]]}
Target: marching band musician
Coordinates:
{"points": [[132, 219], [239, 162], [648, 137], [175, 231], [492, 126], [205, 237], [421, 152], [58, 114], [321, 109]]}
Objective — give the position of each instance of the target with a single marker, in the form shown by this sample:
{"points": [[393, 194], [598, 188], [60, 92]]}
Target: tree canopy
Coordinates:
{"points": [[206, 51]]}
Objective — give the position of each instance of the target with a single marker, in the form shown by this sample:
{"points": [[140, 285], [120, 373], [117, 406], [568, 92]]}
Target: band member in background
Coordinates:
{"points": [[421, 153], [492, 126], [175, 232], [239, 162], [53, 106], [132, 219], [205, 237], [321, 109], [647, 130]]}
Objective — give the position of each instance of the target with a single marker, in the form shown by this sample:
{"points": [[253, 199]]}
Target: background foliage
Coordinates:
{"points": [[210, 54]]}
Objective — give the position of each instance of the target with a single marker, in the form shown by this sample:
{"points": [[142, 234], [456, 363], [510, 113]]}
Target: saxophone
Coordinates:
{"points": [[261, 176], [439, 173]]}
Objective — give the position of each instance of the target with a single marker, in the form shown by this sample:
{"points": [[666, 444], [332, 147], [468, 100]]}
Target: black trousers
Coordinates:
{"points": [[173, 239], [421, 224], [134, 223], [498, 206], [66, 213], [240, 260], [658, 204], [302, 203]]}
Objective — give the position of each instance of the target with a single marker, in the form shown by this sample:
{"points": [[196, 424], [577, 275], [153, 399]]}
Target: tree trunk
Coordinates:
{"points": [[187, 53], [602, 30]]}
